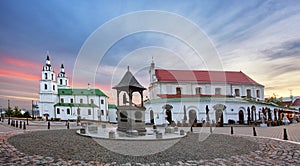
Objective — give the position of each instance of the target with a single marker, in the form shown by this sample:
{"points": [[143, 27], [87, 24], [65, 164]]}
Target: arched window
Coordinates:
{"points": [[57, 111], [178, 91], [217, 91], [102, 112], [81, 101], [45, 87], [89, 112], [52, 78], [198, 90], [102, 101], [92, 101], [46, 76], [62, 100], [71, 100], [237, 92], [68, 111], [248, 93], [53, 87], [60, 81], [257, 93]]}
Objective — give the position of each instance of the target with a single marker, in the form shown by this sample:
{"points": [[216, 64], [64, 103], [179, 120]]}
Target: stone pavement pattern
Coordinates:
{"points": [[270, 152]]}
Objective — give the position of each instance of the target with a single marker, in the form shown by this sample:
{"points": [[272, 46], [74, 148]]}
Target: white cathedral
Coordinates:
{"points": [[59, 101]]}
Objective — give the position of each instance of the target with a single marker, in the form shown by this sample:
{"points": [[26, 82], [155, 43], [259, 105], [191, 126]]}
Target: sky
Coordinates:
{"points": [[259, 38]]}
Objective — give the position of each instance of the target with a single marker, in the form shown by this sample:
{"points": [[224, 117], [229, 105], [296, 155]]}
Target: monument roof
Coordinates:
{"points": [[129, 81]]}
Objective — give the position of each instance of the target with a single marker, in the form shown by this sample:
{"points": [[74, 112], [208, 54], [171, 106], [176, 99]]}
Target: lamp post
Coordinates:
{"points": [[1, 117]]}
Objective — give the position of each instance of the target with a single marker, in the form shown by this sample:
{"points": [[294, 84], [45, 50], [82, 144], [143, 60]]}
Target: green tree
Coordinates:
{"points": [[17, 112], [26, 115], [9, 112]]}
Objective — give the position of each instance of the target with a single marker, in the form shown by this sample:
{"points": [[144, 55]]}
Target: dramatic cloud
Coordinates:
{"points": [[261, 38]]}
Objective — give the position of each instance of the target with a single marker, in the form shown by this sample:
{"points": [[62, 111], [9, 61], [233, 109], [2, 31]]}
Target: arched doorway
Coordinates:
{"points": [[168, 109], [219, 118], [151, 117], [219, 108], [169, 116], [192, 117], [241, 117], [253, 113]]}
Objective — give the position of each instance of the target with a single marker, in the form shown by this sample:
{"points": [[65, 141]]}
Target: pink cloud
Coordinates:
{"points": [[16, 62], [8, 73]]}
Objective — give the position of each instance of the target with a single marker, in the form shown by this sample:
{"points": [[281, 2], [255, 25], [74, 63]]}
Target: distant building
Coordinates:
{"points": [[295, 103], [58, 100], [195, 96]]}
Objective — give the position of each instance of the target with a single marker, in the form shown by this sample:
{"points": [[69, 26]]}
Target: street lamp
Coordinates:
{"points": [[1, 118]]}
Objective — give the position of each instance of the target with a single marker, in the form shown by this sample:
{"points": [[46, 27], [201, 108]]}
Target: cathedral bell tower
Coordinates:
{"points": [[62, 79], [48, 90]]}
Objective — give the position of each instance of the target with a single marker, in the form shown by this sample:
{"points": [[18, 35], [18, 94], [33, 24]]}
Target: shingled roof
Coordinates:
{"points": [[204, 76], [127, 81], [296, 102]]}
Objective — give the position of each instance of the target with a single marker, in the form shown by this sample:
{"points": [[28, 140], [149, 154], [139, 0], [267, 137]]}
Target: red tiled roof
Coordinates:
{"points": [[286, 103], [189, 96], [204, 76], [296, 102]]}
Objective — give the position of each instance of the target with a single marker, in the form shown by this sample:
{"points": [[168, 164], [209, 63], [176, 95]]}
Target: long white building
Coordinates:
{"points": [[59, 101], [194, 96]]}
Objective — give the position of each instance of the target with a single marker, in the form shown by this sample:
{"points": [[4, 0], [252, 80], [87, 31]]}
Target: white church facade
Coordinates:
{"points": [[195, 96], [59, 101]]}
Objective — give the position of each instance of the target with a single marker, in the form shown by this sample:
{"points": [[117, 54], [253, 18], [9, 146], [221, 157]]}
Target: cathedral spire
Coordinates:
{"points": [[62, 69], [48, 63]]}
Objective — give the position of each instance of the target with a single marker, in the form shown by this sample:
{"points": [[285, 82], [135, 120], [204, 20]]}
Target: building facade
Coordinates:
{"points": [[196, 96], [59, 101]]}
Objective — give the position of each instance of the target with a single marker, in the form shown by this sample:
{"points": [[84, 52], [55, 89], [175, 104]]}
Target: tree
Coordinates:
{"points": [[26, 115], [9, 112], [17, 112]]}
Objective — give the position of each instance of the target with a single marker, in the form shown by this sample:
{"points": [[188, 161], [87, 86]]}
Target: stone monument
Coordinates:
{"points": [[131, 117]]}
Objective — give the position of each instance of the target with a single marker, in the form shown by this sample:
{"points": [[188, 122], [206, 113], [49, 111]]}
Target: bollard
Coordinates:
{"points": [[20, 124], [48, 124], [254, 132], [191, 128], [17, 124], [8, 121], [231, 130], [68, 125], [24, 126], [210, 128], [12, 123], [181, 132], [285, 136], [82, 131], [27, 121]]}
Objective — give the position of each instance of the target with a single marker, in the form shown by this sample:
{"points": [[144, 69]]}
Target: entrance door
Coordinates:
{"points": [[151, 117], [169, 116], [192, 117], [219, 118], [241, 117]]}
